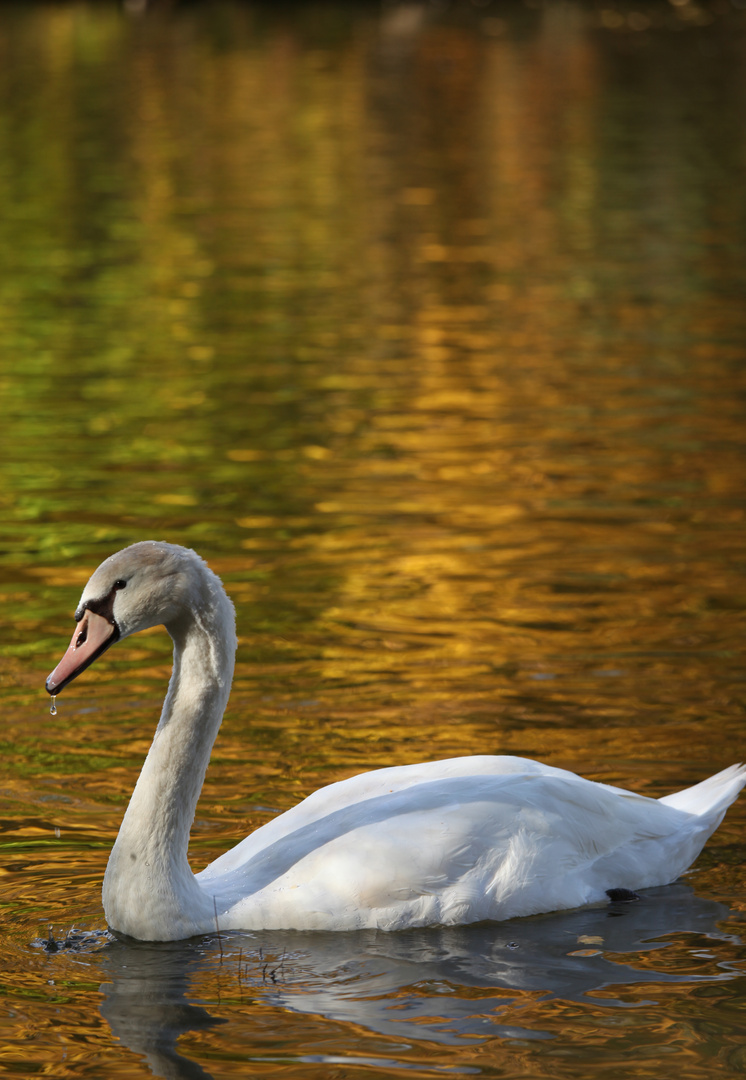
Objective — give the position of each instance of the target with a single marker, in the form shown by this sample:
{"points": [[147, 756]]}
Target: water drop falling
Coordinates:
{"points": [[53, 707]]}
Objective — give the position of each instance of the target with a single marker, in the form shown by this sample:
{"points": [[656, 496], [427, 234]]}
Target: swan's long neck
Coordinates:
{"points": [[149, 890]]}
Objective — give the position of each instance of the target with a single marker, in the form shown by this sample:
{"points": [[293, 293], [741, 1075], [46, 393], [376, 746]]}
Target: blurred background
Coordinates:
{"points": [[425, 324]]}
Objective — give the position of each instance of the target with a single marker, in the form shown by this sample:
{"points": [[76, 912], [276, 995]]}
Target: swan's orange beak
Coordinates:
{"points": [[93, 635]]}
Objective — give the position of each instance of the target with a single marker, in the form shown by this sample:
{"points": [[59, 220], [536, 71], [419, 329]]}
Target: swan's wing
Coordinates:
{"points": [[332, 799], [448, 849]]}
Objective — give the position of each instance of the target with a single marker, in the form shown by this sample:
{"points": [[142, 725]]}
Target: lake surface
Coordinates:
{"points": [[426, 325]]}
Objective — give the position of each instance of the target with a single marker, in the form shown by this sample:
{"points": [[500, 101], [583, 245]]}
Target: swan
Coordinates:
{"points": [[444, 842]]}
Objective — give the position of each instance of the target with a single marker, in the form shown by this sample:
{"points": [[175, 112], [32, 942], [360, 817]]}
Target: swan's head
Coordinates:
{"points": [[147, 584]]}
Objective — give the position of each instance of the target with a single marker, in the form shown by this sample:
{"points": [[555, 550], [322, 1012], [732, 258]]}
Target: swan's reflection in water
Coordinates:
{"points": [[146, 1003], [413, 986]]}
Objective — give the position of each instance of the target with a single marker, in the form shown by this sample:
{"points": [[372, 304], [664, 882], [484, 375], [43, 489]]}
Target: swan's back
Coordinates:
{"points": [[459, 841]]}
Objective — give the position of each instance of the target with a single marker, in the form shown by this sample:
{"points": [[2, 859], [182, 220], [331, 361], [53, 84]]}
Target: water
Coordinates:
{"points": [[424, 325]]}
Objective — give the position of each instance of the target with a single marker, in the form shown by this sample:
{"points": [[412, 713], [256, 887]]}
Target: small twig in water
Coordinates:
{"points": [[217, 928], [280, 967]]}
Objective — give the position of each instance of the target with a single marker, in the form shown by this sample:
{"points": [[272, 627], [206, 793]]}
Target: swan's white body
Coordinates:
{"points": [[447, 842]]}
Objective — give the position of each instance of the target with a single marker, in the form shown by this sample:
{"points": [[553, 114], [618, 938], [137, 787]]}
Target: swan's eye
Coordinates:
{"points": [[120, 583]]}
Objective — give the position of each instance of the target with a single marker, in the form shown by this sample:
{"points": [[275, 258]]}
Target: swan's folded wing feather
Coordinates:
{"points": [[451, 845], [412, 783]]}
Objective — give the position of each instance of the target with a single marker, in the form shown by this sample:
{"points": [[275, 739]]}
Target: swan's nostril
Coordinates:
{"points": [[81, 637]]}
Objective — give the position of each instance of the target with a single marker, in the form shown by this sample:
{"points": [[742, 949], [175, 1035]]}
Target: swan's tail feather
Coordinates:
{"points": [[711, 796]]}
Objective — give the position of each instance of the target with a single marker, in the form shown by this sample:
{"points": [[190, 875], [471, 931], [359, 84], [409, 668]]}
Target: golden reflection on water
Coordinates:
{"points": [[426, 329]]}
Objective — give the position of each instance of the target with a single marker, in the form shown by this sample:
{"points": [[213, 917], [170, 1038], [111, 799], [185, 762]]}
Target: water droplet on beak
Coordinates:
{"points": [[53, 707]]}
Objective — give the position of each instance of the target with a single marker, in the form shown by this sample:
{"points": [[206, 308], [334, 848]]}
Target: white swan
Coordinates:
{"points": [[445, 842]]}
